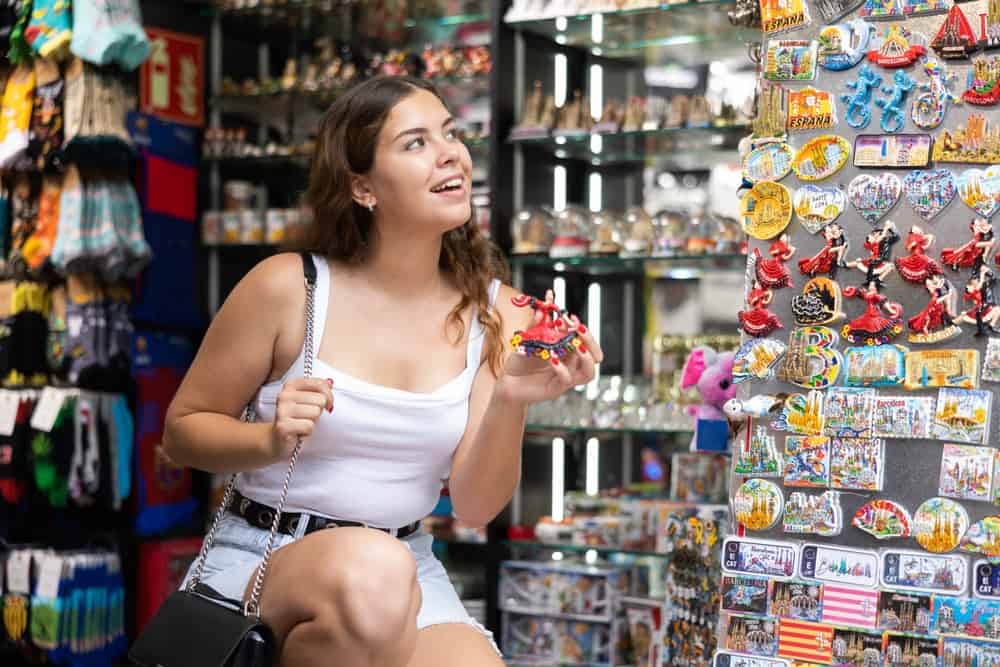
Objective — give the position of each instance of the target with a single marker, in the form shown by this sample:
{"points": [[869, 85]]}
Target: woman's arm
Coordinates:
{"points": [[203, 428], [487, 465]]}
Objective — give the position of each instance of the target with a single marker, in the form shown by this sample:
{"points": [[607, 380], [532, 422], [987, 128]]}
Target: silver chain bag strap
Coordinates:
{"points": [[195, 627]]}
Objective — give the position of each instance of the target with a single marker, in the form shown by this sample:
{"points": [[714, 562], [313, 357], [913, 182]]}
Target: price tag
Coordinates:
{"points": [[19, 572], [49, 574], [47, 409], [9, 402]]}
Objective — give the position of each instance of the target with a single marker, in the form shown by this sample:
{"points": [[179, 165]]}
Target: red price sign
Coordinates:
{"points": [[172, 80]]}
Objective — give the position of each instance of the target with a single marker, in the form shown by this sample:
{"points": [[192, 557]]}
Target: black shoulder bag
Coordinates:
{"points": [[195, 627]]}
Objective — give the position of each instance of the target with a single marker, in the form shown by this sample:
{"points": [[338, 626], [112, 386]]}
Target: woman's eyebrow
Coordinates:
{"points": [[423, 130]]}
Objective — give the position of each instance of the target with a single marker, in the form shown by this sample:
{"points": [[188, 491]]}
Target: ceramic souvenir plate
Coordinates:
{"points": [[758, 504], [770, 162], [939, 525], [821, 157], [816, 206]]}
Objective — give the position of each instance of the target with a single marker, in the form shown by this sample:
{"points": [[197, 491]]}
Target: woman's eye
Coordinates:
{"points": [[416, 143], [451, 134]]}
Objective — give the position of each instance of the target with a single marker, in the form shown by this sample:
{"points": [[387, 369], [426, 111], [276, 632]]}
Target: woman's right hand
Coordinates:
{"points": [[299, 405]]}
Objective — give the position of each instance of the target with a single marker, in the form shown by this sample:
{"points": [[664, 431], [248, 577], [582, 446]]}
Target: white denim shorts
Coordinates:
{"points": [[239, 547]]}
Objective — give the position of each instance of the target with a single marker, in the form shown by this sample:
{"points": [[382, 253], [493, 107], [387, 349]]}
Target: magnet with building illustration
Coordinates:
{"points": [[979, 189], [724, 658], [834, 10], [801, 414], [821, 157], [991, 360], [819, 303], [807, 461], [749, 634], [973, 142], [844, 45], [771, 161], [906, 417], [874, 365], [795, 599], [929, 191], [790, 60], [757, 359], [747, 595], [892, 151], [816, 206], [898, 47], [811, 359], [939, 525], [913, 8], [983, 82], [847, 412], [883, 519], [942, 368], [908, 570], [874, 195], [955, 38], [882, 10], [838, 565], [757, 504], [857, 463], [758, 455], [759, 557], [966, 472], [766, 209], [807, 514], [904, 612], [983, 538], [962, 415], [967, 618], [811, 109]]}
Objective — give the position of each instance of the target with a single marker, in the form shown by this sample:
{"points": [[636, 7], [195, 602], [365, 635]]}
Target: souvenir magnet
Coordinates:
{"points": [[801, 414], [766, 558], [790, 60], [758, 455], [902, 417], [770, 162], [928, 192], [553, 334], [830, 257], [905, 650], [795, 600], [821, 157], [770, 121], [811, 360], [893, 117], [748, 634], [897, 48], [807, 461], [873, 327], [973, 253], [924, 7], [918, 266], [757, 406], [771, 272], [907, 570], [844, 45], [956, 651], [892, 151], [966, 472], [991, 360], [757, 359], [746, 595], [983, 538], [962, 415], [856, 607], [757, 320], [804, 641], [904, 612], [955, 38], [847, 412], [874, 365], [810, 109], [882, 9], [986, 579], [857, 113], [980, 190], [813, 515], [816, 207], [936, 322], [839, 565], [984, 312], [732, 659], [780, 17], [874, 195], [974, 143], [857, 463], [968, 618], [852, 648], [939, 525], [933, 97], [758, 504], [766, 210], [834, 10], [882, 519], [878, 264], [819, 303], [984, 82], [942, 368]]}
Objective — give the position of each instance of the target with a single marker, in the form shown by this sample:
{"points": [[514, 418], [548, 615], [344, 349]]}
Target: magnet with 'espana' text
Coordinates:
{"points": [[810, 109], [776, 17]]}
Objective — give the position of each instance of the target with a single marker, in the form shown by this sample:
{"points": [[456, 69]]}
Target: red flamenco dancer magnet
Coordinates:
{"points": [[873, 327], [918, 266], [955, 38], [757, 320], [830, 257], [973, 253], [772, 272], [553, 332]]}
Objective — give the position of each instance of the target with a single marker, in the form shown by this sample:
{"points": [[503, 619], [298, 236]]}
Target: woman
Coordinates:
{"points": [[939, 311], [412, 386]]}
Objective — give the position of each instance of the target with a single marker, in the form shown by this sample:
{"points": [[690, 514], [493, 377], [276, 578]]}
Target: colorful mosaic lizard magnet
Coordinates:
{"points": [[933, 97]]}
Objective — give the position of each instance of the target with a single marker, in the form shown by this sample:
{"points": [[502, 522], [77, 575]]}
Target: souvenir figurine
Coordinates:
{"points": [[819, 303], [936, 322], [983, 82], [878, 264], [917, 267], [758, 321], [874, 195], [898, 48], [980, 190], [955, 38], [931, 104], [872, 327], [893, 118], [553, 333], [972, 254], [844, 45], [771, 272], [831, 255], [929, 191], [984, 313], [858, 114]]}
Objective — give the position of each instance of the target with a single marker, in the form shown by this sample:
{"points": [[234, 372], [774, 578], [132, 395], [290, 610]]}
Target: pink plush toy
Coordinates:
{"points": [[712, 374]]}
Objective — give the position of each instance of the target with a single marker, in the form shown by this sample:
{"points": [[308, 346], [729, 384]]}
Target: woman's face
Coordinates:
{"points": [[422, 170]]}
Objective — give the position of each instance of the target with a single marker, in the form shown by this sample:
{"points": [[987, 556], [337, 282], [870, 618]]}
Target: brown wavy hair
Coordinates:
{"points": [[342, 229]]}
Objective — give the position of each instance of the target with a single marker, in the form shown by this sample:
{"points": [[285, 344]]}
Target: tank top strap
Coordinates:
{"points": [[476, 333], [321, 305]]}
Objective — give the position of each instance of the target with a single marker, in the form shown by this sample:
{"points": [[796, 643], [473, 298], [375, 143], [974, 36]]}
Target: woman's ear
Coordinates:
{"points": [[361, 192]]}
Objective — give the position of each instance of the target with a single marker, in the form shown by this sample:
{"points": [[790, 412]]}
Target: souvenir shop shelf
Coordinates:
{"points": [[264, 161], [629, 33], [636, 146], [675, 266], [527, 545]]}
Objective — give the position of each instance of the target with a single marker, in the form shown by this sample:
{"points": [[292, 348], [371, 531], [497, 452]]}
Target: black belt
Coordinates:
{"points": [[261, 516]]}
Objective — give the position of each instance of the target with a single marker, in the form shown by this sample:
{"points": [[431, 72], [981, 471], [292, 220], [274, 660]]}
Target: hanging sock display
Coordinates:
{"points": [[109, 31], [20, 51], [51, 28], [46, 133], [15, 121]]}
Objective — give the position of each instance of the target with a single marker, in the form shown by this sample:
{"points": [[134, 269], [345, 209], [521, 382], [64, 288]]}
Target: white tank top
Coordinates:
{"points": [[381, 456]]}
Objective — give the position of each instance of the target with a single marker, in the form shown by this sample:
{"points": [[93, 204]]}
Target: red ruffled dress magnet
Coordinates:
{"points": [[772, 272], [918, 266]]}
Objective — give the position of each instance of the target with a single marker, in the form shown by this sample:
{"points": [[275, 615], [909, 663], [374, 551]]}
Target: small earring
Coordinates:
{"points": [[371, 206]]}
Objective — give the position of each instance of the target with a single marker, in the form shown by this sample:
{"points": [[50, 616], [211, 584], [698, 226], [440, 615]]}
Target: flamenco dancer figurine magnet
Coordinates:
{"points": [[553, 331], [936, 322], [984, 312], [772, 272], [873, 327], [831, 255], [918, 266], [973, 253], [879, 244], [758, 321]]}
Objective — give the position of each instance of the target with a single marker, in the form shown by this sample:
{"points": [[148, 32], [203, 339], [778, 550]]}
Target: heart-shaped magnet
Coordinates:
{"points": [[874, 195], [816, 207], [929, 191], [980, 190]]}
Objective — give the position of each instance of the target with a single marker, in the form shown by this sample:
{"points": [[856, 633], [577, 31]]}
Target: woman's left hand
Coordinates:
{"points": [[530, 379]]}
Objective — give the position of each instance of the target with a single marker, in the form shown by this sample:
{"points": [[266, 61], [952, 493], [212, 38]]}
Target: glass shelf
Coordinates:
{"points": [[631, 33], [273, 161], [558, 428], [639, 145], [577, 548], [677, 267]]}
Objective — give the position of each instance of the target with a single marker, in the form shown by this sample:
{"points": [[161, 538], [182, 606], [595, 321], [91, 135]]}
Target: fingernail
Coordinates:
{"points": [[329, 408], [583, 348], [329, 381], [583, 328], [555, 361]]}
